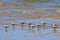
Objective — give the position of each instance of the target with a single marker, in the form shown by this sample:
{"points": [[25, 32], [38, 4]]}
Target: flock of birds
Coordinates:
{"points": [[31, 26]]}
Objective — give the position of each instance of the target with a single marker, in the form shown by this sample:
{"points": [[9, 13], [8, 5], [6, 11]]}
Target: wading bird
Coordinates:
{"points": [[38, 27], [29, 25], [44, 25], [22, 25], [54, 27], [33, 26], [6, 26]]}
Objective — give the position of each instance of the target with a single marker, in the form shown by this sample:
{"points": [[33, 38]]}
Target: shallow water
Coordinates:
{"points": [[28, 12]]}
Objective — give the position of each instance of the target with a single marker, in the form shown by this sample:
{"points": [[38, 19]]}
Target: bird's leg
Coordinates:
{"points": [[22, 27], [54, 29]]}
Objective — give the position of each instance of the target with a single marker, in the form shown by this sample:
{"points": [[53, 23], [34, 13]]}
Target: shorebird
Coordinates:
{"points": [[6, 26], [22, 24], [43, 25], [38, 27], [33, 26], [29, 25], [13, 25], [54, 27]]}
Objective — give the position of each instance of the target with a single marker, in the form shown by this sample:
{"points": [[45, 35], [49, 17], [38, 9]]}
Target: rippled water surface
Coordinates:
{"points": [[13, 11]]}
